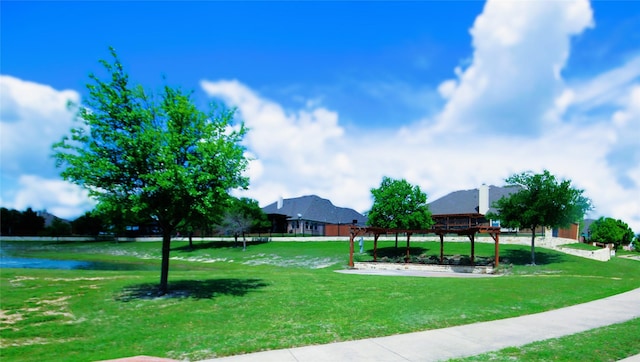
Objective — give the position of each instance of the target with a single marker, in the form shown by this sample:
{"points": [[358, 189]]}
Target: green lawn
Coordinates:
{"points": [[581, 246], [274, 295], [609, 343]]}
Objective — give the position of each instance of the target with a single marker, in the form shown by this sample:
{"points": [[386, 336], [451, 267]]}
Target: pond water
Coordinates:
{"points": [[8, 261]]}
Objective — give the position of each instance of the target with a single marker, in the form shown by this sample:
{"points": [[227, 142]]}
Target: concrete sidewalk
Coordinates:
{"points": [[466, 340]]}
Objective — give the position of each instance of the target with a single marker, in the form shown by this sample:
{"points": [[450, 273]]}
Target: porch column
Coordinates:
{"points": [[441, 248]]}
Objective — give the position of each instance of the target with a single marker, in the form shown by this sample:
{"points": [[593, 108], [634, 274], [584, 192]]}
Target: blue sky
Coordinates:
{"points": [[448, 95]]}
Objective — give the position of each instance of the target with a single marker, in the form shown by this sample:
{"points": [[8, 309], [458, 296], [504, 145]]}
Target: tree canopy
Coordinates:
{"points": [[244, 215], [399, 205], [146, 156], [14, 222], [609, 230], [541, 201], [88, 224]]}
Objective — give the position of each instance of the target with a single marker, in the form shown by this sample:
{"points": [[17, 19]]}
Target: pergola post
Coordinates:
{"points": [[472, 237], [351, 249], [406, 260], [497, 250], [496, 239], [375, 246]]}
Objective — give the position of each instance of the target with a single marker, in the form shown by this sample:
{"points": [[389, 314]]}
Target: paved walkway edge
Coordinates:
{"points": [[465, 340]]}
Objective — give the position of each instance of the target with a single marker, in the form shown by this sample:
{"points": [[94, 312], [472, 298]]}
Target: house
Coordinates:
{"points": [[50, 218], [466, 208], [311, 215], [475, 203], [585, 233]]}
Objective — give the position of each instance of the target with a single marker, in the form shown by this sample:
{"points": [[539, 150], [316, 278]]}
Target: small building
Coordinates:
{"points": [[311, 215]]}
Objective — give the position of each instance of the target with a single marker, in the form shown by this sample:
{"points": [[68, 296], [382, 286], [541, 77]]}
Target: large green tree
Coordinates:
{"points": [[399, 205], [609, 230], [541, 201], [151, 156]]}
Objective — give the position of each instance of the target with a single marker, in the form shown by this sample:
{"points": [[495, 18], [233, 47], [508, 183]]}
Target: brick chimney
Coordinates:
{"points": [[483, 199]]}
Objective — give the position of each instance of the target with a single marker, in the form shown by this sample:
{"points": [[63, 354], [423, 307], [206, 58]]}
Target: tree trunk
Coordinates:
{"points": [[408, 256], [375, 247], [244, 242], [190, 240], [164, 270], [396, 241], [533, 245]]}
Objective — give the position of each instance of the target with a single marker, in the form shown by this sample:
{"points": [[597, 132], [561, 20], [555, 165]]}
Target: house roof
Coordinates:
{"points": [[467, 201], [49, 218], [314, 208], [586, 227]]}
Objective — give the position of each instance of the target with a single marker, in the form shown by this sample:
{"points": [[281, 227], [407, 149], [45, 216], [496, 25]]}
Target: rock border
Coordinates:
{"points": [[425, 267]]}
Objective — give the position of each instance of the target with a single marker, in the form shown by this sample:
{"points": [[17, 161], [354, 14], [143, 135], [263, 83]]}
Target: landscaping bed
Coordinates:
{"points": [[430, 263], [445, 268]]}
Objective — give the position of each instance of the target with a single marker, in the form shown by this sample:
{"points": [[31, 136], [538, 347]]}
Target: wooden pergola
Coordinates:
{"points": [[459, 224]]}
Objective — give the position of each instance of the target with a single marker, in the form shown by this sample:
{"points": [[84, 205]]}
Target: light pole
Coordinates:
{"points": [[300, 224]]}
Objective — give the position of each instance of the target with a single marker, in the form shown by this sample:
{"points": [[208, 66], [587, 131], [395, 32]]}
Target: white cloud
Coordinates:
{"points": [[33, 116], [289, 145], [304, 132], [505, 113], [58, 197], [447, 88], [610, 87], [519, 49], [624, 155], [629, 117], [509, 110], [611, 100], [357, 161]]}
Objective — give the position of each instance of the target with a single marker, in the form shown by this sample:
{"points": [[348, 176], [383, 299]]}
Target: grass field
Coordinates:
{"points": [[274, 295], [581, 246], [610, 343]]}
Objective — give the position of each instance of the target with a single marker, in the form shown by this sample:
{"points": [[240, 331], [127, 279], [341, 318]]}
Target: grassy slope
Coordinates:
{"points": [[267, 297]]}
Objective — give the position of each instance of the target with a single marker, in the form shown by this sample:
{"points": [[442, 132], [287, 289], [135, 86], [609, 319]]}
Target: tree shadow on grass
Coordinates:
{"points": [[216, 245], [523, 257], [207, 245], [196, 289], [392, 252]]}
